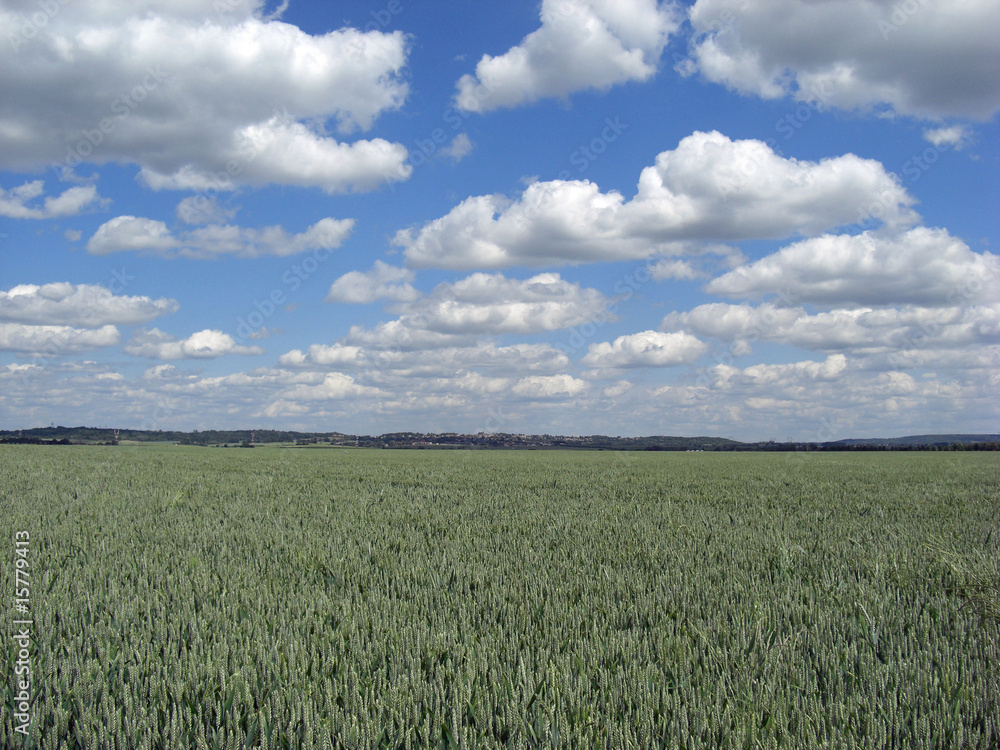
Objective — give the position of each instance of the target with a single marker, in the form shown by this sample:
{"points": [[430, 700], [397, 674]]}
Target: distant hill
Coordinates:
{"points": [[920, 440], [452, 440]]}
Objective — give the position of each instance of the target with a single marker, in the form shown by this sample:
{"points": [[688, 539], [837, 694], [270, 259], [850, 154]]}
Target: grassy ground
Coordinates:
{"points": [[190, 597]]}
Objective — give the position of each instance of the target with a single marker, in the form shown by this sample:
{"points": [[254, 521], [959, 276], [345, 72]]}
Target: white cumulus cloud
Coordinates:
{"points": [[198, 96], [932, 58], [381, 282], [513, 360], [459, 148], [125, 233], [549, 386], [708, 189], [645, 349], [55, 340], [89, 305], [921, 266], [861, 330], [21, 202], [582, 44], [492, 304], [955, 136], [207, 344]]}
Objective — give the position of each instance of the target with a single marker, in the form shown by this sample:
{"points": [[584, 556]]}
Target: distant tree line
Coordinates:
{"points": [[424, 441], [34, 441]]}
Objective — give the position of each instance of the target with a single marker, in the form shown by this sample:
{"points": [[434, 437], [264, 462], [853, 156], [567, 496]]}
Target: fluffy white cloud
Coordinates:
{"points": [[920, 354], [335, 385], [582, 44], [473, 383], [458, 313], [617, 389], [645, 349], [381, 282], [815, 400], [553, 222], [207, 344], [200, 209], [492, 304], [164, 373], [291, 154], [930, 58], [16, 202], [131, 233], [433, 357], [820, 400], [863, 330], [148, 235], [708, 189], [459, 148], [549, 386], [711, 187], [793, 374], [54, 340], [955, 136], [512, 360], [321, 355], [87, 305], [672, 268], [405, 335], [921, 266], [733, 322], [60, 318], [127, 83]]}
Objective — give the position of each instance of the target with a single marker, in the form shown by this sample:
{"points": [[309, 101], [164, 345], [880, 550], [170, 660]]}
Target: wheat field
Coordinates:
{"points": [[279, 598]]}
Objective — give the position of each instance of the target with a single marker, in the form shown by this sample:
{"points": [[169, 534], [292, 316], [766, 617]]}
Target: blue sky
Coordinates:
{"points": [[574, 216]]}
